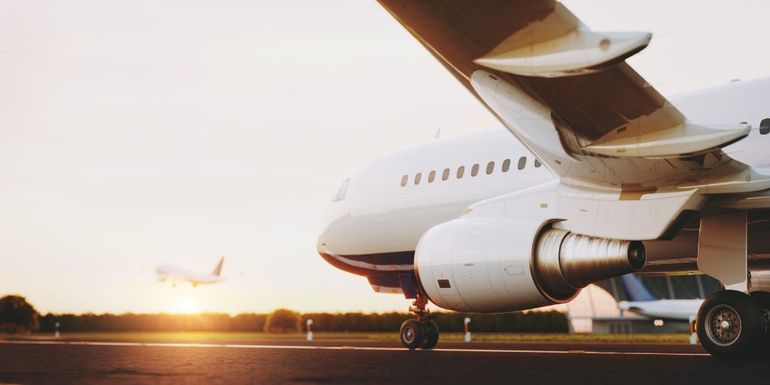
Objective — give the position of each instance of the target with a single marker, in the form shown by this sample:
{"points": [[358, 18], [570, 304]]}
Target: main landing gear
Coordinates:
{"points": [[732, 324], [421, 332]]}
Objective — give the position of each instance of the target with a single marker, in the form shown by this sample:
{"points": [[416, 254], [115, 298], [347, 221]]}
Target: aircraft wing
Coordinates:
{"points": [[618, 146]]}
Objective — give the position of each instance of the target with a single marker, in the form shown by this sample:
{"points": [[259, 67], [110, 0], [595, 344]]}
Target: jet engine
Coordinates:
{"points": [[490, 264]]}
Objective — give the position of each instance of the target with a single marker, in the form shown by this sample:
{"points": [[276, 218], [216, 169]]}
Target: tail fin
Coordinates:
{"points": [[218, 270], [635, 289]]}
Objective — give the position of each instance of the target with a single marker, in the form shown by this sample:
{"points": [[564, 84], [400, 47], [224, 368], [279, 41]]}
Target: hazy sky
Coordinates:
{"points": [[135, 133]]}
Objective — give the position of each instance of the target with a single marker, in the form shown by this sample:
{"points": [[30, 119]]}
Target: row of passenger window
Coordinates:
{"points": [[460, 172]]}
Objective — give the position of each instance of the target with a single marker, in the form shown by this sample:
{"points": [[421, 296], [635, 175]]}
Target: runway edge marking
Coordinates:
{"points": [[362, 348]]}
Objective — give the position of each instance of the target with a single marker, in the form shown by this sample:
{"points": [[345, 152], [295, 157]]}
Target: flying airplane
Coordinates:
{"points": [[642, 302], [595, 174], [176, 273]]}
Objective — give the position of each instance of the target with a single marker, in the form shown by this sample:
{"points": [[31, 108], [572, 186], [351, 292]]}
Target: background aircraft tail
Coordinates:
{"points": [[635, 289], [218, 270]]}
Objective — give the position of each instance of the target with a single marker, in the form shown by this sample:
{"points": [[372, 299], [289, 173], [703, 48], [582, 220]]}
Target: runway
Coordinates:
{"points": [[367, 362]]}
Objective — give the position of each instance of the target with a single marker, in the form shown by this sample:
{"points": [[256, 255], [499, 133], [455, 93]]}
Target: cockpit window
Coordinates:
{"points": [[342, 191]]}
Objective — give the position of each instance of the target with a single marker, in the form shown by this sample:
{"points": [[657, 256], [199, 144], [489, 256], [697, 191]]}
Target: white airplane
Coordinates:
{"points": [[176, 273], [595, 174], [642, 302]]}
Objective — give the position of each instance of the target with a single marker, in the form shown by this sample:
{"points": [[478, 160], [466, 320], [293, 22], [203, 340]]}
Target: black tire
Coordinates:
{"points": [[731, 325], [412, 335], [762, 298], [430, 334]]}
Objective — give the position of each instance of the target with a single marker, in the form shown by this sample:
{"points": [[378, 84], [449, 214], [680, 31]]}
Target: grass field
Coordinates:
{"points": [[228, 337]]}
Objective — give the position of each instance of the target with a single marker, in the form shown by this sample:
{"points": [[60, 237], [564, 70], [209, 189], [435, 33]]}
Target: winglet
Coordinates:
{"points": [[635, 289], [218, 270]]}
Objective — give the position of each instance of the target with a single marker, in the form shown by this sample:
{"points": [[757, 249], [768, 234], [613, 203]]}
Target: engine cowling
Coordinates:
{"points": [[489, 264]]}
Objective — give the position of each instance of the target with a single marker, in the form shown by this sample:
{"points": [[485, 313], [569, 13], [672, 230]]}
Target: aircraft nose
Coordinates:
{"points": [[333, 238]]}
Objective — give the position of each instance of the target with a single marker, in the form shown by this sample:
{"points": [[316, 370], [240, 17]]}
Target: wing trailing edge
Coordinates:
{"points": [[682, 140], [560, 45]]}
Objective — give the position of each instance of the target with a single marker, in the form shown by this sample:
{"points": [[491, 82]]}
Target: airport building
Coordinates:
{"points": [[596, 308], [666, 287]]}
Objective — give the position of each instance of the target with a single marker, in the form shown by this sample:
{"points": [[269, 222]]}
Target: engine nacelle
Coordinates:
{"points": [[489, 264]]}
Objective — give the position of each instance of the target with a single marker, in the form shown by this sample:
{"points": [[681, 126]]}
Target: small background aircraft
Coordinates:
{"points": [[642, 302], [176, 273]]}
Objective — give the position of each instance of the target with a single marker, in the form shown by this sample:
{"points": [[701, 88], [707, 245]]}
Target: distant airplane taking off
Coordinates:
{"points": [[176, 273]]}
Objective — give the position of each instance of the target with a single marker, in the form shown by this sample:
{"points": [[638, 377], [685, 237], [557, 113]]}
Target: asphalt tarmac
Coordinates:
{"points": [[366, 362]]}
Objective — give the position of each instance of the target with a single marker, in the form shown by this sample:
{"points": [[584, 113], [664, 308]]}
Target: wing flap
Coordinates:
{"points": [[560, 45], [681, 140]]}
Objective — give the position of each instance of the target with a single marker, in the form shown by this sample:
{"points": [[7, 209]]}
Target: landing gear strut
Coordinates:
{"points": [[732, 324], [421, 332]]}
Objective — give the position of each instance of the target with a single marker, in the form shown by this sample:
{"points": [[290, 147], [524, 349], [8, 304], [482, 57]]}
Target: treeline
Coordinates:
{"points": [[130, 322], [533, 322]]}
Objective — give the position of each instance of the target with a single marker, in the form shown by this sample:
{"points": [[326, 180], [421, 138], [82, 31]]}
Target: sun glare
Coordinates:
{"points": [[187, 305]]}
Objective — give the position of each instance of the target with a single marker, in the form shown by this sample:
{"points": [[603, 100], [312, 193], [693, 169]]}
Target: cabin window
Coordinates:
{"points": [[538, 163], [404, 179], [764, 127], [445, 174], [522, 162], [432, 176], [417, 178], [475, 170], [460, 172], [490, 167], [506, 165]]}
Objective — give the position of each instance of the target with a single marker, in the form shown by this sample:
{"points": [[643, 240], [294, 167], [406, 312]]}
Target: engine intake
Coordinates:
{"points": [[487, 264]]}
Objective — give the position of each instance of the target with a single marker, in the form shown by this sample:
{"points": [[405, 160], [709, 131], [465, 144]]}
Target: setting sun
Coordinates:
{"points": [[187, 305]]}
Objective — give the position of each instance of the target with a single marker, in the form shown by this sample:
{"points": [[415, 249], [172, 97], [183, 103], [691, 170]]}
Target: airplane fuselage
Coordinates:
{"points": [[666, 309], [377, 220]]}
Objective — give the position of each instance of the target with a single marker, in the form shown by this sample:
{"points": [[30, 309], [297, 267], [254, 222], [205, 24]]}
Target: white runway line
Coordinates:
{"points": [[363, 348]]}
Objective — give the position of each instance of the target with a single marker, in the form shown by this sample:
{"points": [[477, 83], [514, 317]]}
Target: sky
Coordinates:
{"points": [[139, 133]]}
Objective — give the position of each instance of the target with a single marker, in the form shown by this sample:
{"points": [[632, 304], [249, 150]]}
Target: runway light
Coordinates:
{"points": [[467, 330], [693, 330]]}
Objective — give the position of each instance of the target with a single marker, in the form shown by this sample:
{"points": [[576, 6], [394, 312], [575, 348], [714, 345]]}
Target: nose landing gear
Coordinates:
{"points": [[421, 332]]}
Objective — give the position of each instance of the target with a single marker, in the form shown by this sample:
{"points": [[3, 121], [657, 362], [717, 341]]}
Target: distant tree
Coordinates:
{"points": [[17, 315], [287, 321], [283, 321]]}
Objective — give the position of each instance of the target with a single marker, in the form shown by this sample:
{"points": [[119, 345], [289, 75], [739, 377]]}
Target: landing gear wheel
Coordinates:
{"points": [[762, 298], [422, 332], [430, 334], [412, 336], [730, 324]]}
